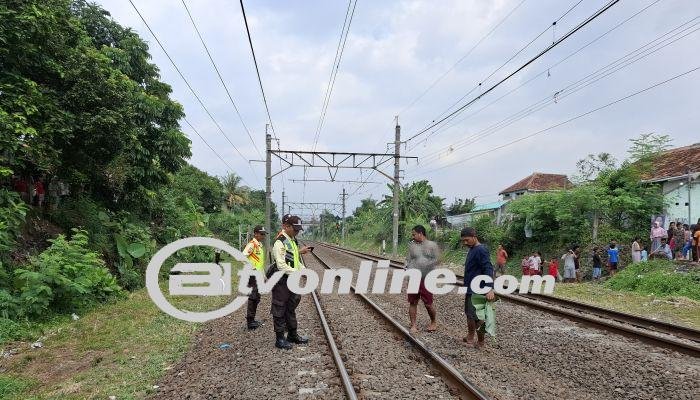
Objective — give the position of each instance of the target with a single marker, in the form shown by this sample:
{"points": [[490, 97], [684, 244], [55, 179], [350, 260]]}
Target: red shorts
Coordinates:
{"points": [[423, 294]]}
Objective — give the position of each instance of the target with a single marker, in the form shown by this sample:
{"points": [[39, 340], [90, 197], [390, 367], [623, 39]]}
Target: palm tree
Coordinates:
{"points": [[235, 193]]}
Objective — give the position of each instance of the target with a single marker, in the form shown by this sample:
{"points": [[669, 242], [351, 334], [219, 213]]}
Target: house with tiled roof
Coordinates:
{"points": [[537, 182], [677, 172]]}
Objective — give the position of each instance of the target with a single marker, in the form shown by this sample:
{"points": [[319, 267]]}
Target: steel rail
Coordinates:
{"points": [[337, 358], [674, 337], [452, 377]]}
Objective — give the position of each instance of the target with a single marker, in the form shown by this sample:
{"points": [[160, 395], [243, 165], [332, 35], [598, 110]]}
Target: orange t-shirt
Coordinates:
{"points": [[501, 257]]}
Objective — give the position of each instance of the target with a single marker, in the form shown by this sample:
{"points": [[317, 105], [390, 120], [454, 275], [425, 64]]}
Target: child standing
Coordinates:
{"points": [[613, 258], [597, 264], [525, 265], [554, 269]]}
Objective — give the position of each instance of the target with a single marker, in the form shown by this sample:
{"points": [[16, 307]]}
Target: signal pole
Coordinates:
{"points": [[268, 188]]}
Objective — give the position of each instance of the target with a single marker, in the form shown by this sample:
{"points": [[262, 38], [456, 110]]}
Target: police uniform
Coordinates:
{"points": [[284, 302], [255, 252]]}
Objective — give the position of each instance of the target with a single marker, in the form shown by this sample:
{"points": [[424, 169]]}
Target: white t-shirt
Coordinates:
{"points": [[535, 262]]}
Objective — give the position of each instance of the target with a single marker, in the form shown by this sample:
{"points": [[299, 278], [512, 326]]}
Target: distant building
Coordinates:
{"points": [[495, 209], [537, 182], [677, 172]]}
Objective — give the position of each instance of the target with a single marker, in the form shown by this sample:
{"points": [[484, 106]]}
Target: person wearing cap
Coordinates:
{"points": [[255, 252], [287, 255], [478, 262]]}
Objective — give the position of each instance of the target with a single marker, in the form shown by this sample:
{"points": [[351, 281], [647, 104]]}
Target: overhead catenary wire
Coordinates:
{"points": [[189, 86], [628, 59], [543, 72], [208, 145], [579, 116], [484, 80], [223, 83], [467, 54], [572, 7], [257, 70], [340, 49], [533, 59]]}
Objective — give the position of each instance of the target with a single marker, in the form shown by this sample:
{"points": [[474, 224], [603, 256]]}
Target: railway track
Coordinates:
{"points": [[459, 385], [666, 335], [335, 353]]}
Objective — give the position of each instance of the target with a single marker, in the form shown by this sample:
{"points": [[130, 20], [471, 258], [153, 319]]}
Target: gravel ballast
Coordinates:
{"points": [[537, 355]]}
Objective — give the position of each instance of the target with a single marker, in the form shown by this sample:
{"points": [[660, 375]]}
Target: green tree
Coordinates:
{"points": [[80, 100], [236, 194], [461, 206]]}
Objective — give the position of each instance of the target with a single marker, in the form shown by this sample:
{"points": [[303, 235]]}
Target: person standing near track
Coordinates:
{"points": [[569, 265], [287, 257], [501, 260], [423, 255], [478, 262], [255, 252]]}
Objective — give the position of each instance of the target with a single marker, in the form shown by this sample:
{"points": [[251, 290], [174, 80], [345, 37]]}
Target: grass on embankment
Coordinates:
{"points": [[117, 349]]}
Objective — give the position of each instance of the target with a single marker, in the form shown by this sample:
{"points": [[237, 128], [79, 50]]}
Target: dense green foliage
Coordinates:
{"points": [[81, 103], [12, 214], [658, 278], [67, 276]]}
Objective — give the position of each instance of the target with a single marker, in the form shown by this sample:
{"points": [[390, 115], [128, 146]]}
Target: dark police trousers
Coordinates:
{"points": [[284, 305], [253, 299]]}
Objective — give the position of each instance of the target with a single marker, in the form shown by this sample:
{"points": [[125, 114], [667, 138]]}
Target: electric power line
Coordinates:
{"points": [[189, 86], [566, 121], [216, 68], [544, 71], [640, 53], [527, 45], [543, 52], [344, 32], [257, 70], [471, 50], [208, 145]]}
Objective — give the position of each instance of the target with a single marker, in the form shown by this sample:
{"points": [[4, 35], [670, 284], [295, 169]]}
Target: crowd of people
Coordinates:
{"points": [[33, 190], [678, 242]]}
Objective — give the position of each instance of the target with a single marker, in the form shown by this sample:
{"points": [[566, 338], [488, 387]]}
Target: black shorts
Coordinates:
{"points": [[613, 266], [469, 309]]}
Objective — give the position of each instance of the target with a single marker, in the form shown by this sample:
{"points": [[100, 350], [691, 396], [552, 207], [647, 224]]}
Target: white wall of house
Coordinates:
{"points": [[676, 197]]}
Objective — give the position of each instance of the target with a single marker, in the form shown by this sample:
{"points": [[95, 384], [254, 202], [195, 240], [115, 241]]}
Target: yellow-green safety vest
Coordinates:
{"points": [[257, 257], [292, 257]]}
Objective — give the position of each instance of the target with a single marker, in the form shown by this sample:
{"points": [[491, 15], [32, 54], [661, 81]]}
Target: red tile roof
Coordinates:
{"points": [[539, 181], [675, 162]]}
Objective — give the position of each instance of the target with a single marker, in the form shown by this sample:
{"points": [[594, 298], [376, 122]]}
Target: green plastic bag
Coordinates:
{"points": [[485, 311]]}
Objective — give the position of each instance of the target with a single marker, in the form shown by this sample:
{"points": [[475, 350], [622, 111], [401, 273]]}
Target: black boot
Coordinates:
{"points": [[281, 342], [253, 324], [293, 337]]}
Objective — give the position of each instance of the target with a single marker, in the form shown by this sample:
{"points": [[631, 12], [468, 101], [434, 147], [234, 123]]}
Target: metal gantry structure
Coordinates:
{"points": [[334, 161]]}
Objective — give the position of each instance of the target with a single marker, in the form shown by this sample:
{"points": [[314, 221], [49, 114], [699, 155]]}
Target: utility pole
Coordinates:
{"points": [[395, 220], [342, 231], [268, 188], [283, 202], [321, 219]]}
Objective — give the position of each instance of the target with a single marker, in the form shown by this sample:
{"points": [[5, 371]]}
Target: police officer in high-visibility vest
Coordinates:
{"points": [[287, 255], [255, 252]]}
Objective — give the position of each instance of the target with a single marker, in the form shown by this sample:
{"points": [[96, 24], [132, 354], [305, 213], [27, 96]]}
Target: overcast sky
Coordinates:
{"points": [[395, 50]]}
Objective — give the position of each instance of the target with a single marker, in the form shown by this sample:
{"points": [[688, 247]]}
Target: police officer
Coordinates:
{"points": [[255, 252], [287, 255]]}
